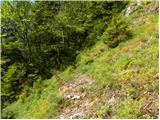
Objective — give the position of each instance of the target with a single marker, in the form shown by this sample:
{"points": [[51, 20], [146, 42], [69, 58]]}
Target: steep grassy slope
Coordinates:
{"points": [[124, 79], [127, 75]]}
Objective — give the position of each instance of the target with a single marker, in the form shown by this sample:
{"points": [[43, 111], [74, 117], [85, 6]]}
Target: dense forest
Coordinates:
{"points": [[41, 39]]}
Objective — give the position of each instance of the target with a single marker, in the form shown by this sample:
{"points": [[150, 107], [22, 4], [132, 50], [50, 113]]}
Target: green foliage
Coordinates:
{"points": [[126, 111], [99, 16], [122, 62], [117, 32], [67, 74], [44, 36], [103, 110], [12, 78], [42, 103], [7, 114], [128, 72]]}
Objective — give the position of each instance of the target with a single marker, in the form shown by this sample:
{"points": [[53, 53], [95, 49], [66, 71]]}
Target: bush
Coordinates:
{"points": [[117, 31], [7, 114], [41, 103], [12, 78], [103, 111], [129, 109]]}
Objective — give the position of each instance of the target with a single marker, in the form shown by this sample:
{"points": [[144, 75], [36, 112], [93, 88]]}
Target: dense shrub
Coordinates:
{"points": [[117, 31]]}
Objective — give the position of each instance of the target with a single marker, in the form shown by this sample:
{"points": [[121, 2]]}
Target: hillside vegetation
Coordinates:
{"points": [[116, 77]]}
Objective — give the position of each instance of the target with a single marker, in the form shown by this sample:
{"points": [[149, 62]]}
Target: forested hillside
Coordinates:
{"points": [[81, 59]]}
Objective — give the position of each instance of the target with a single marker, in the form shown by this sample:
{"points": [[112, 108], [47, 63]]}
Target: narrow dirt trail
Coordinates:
{"points": [[76, 102]]}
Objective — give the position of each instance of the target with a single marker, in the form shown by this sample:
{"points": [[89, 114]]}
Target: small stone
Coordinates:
{"points": [[61, 117], [73, 97], [138, 2], [111, 102], [128, 12], [76, 97], [69, 96], [76, 116]]}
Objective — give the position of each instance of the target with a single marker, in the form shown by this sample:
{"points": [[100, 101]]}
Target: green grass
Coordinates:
{"points": [[103, 110], [133, 65], [66, 75], [129, 109], [42, 103]]}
